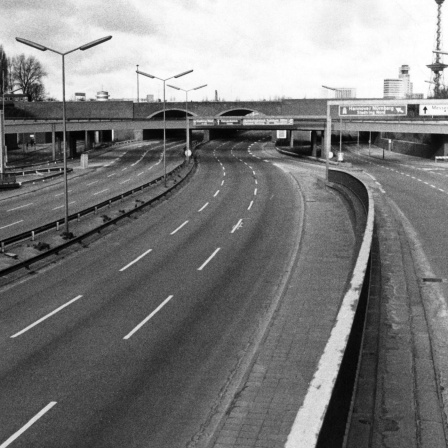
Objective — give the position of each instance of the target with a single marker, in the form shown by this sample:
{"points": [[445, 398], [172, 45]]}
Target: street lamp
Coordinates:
{"points": [[138, 89], [340, 155], [188, 151], [82, 48], [164, 108]]}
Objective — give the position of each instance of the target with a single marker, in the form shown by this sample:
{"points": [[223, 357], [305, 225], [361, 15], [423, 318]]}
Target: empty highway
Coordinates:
{"points": [[136, 340]]}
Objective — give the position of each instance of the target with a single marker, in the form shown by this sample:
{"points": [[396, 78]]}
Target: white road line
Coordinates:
{"points": [[28, 425], [102, 191], [206, 262], [202, 208], [91, 183], [440, 189], [216, 194], [139, 174], [250, 205], [111, 174], [253, 172], [256, 182], [125, 168], [237, 226], [56, 208], [222, 183], [46, 317], [174, 231], [125, 181], [60, 194], [135, 261], [143, 322], [255, 191], [13, 224], [20, 206]]}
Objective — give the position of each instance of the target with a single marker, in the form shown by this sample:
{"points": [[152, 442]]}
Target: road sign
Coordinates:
{"points": [[433, 109], [372, 111], [267, 121], [204, 122], [229, 121]]}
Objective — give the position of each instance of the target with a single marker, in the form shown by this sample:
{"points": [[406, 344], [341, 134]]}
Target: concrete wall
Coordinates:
{"points": [[77, 110], [428, 147]]}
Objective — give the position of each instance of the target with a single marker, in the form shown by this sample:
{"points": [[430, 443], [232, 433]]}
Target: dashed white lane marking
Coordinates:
{"points": [[28, 425], [222, 183], [202, 208], [255, 191], [216, 194], [91, 183], [206, 262], [19, 207], [111, 174], [60, 194], [125, 168], [250, 205], [12, 224], [46, 316], [61, 206], [143, 322], [237, 226], [125, 181], [139, 174], [135, 261], [102, 191], [182, 225]]}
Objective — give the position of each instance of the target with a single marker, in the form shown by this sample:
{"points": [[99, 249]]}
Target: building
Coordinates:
{"points": [[401, 87], [393, 89], [102, 95], [80, 96], [340, 92], [404, 75]]}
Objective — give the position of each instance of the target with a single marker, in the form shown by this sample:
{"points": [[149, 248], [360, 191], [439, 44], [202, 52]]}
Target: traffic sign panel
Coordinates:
{"points": [[372, 111], [433, 109]]}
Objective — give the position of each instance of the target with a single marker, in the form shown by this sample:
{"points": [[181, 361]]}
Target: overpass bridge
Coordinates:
{"points": [[122, 120]]}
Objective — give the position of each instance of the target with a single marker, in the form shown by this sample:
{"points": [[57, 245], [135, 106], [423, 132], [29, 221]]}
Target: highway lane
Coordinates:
{"points": [[122, 169], [135, 341], [420, 189]]}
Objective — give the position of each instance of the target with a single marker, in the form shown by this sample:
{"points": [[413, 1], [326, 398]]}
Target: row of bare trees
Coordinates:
{"points": [[22, 73]]}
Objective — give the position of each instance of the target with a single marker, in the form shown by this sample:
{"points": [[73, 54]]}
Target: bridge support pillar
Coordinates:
{"points": [[138, 134], [53, 142], [87, 140], [445, 145], [314, 143], [71, 144], [291, 139], [206, 136]]}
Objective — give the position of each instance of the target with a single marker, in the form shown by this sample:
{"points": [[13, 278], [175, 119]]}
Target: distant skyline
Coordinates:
{"points": [[244, 49]]}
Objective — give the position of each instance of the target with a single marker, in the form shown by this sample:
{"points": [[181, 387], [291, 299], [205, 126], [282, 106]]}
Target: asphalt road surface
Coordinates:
{"points": [[134, 341], [116, 171]]}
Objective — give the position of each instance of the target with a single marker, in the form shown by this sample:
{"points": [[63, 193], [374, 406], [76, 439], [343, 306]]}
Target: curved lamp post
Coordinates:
{"points": [[186, 113], [164, 108], [82, 48]]}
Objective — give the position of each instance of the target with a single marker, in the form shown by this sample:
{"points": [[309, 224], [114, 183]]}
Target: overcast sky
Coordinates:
{"points": [[244, 49]]}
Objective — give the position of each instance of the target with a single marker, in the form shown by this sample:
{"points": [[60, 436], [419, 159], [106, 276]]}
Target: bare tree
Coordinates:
{"points": [[27, 74]]}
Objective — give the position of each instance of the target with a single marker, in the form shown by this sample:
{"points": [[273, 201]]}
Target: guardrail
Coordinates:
{"points": [[80, 238], [93, 209], [321, 421]]}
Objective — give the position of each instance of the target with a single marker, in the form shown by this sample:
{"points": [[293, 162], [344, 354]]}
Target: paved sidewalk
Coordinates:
{"points": [[264, 409]]}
